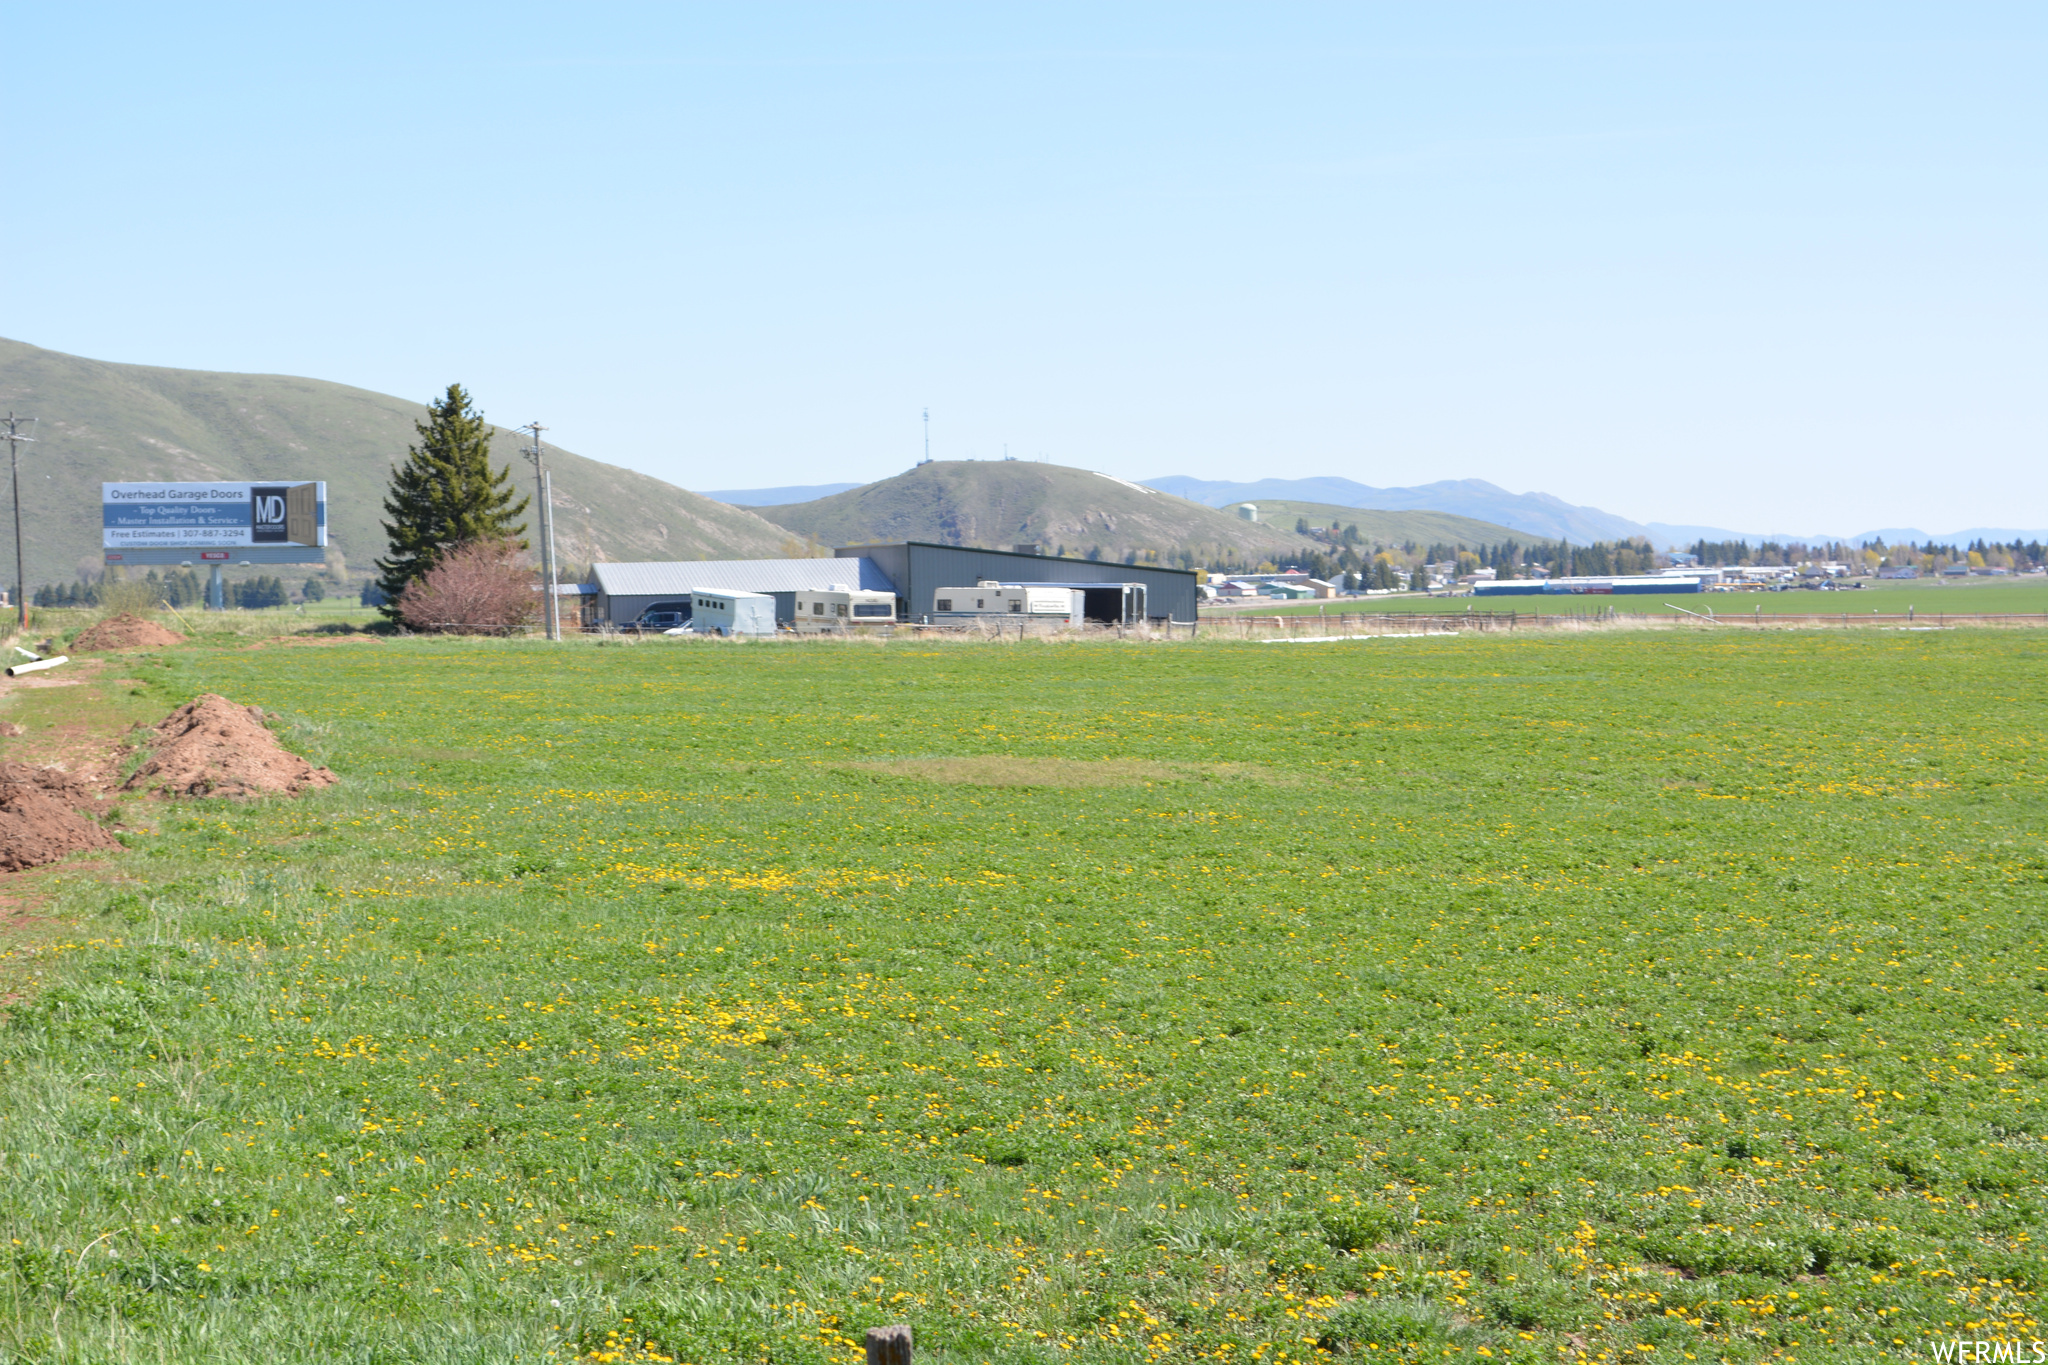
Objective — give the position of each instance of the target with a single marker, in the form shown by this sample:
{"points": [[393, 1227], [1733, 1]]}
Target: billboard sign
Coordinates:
{"points": [[177, 516]]}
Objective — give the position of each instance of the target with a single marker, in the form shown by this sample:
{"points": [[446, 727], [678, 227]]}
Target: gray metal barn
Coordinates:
{"points": [[919, 569]]}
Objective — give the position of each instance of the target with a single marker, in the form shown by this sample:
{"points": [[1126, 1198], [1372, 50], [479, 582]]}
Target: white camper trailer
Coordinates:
{"points": [[1040, 601], [839, 608]]}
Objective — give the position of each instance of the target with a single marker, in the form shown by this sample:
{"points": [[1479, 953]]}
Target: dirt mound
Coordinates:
{"points": [[212, 747], [38, 822], [125, 630]]}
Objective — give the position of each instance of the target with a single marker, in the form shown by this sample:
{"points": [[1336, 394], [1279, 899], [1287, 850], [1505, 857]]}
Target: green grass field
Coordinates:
{"points": [[1931, 597], [1616, 997]]}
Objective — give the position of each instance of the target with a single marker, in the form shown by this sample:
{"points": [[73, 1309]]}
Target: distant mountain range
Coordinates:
{"points": [[102, 421], [1535, 514], [776, 497]]}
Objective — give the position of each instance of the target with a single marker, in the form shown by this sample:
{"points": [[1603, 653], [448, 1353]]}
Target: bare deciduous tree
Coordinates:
{"points": [[479, 588]]}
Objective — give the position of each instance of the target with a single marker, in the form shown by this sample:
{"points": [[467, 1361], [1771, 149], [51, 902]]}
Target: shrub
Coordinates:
{"points": [[479, 588], [132, 595]]}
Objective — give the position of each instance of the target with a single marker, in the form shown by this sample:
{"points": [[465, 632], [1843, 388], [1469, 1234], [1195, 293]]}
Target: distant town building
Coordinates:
{"points": [[1615, 585]]}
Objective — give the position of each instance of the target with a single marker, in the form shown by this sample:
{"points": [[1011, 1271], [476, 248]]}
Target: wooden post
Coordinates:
{"points": [[889, 1345]]}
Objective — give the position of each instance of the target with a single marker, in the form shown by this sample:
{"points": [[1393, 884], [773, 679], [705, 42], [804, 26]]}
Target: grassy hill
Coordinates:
{"points": [[999, 503], [102, 421], [1391, 528]]}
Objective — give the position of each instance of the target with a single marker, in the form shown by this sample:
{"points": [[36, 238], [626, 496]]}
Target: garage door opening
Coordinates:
{"points": [[1113, 604]]}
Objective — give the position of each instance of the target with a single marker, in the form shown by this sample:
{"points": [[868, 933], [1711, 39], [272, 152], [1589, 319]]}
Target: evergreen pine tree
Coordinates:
{"points": [[445, 494]]}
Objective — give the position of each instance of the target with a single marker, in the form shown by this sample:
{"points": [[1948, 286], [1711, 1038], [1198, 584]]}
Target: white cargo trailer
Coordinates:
{"points": [[729, 613]]}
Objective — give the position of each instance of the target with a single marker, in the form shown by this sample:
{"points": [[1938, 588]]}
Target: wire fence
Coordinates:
{"points": [[1249, 625]]}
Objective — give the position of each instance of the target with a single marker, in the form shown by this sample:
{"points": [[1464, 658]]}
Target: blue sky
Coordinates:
{"points": [[1760, 266]]}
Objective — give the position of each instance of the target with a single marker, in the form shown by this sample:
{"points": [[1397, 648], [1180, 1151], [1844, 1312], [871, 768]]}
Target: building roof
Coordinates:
{"points": [[1188, 574], [738, 575]]}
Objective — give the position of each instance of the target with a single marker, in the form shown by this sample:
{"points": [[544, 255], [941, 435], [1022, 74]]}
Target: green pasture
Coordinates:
{"points": [[1661, 997], [1930, 596]]}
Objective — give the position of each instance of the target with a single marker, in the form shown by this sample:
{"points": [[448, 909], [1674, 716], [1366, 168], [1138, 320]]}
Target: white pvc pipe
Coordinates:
{"points": [[18, 669]]}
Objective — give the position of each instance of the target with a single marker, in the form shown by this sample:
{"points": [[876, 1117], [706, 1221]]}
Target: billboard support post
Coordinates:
{"points": [[216, 590], [14, 440]]}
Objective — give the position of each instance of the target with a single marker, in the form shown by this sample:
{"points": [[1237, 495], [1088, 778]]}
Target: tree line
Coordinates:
{"points": [[180, 588], [2018, 556]]}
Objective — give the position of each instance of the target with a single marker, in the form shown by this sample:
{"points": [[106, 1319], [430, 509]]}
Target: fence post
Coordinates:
{"points": [[889, 1345]]}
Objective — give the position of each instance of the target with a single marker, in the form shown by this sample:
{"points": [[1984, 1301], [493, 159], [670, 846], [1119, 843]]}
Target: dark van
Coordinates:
{"points": [[662, 616]]}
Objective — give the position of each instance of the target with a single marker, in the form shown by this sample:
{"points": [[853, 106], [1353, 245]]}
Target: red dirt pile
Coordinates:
{"points": [[40, 819], [124, 630], [212, 747]]}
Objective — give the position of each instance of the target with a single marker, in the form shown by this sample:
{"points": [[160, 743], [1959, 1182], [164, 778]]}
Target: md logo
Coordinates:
{"points": [[267, 514]]}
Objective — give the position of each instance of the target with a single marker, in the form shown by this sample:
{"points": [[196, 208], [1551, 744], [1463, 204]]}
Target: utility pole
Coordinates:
{"points": [[927, 437], [545, 485], [14, 442]]}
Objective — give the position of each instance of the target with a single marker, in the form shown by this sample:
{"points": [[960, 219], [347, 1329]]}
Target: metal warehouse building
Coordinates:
{"points": [[919, 569], [617, 593]]}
